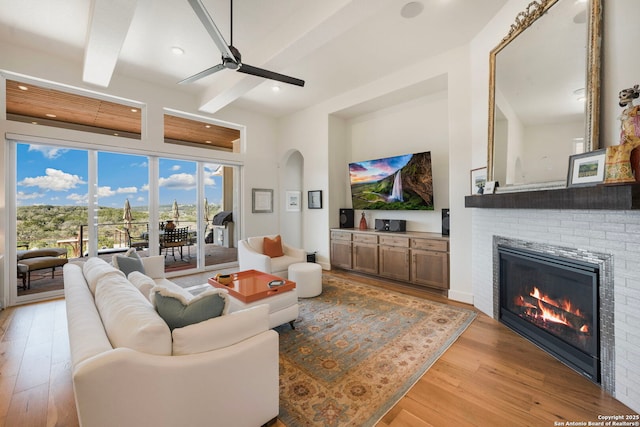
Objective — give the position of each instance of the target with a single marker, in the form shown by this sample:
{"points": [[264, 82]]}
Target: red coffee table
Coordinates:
{"points": [[253, 285]]}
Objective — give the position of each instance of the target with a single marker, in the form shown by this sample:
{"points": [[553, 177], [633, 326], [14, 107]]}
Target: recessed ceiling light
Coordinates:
{"points": [[116, 134], [208, 142], [275, 88], [134, 110], [411, 9], [207, 126], [22, 87], [34, 123], [176, 50], [51, 115]]}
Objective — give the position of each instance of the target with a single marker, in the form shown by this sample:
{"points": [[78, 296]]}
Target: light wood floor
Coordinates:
{"points": [[489, 377]]}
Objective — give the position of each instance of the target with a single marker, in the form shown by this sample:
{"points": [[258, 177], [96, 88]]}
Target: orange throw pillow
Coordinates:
{"points": [[272, 247]]}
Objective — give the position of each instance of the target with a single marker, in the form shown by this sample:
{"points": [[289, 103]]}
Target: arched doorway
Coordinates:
{"points": [[292, 187]]}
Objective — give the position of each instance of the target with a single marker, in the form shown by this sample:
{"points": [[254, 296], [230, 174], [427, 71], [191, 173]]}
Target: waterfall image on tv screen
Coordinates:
{"points": [[393, 183]]}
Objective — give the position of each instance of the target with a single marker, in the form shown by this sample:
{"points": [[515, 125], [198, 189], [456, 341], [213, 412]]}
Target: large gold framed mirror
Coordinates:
{"points": [[544, 93]]}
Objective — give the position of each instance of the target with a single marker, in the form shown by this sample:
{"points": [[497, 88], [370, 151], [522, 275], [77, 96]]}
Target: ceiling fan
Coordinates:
{"points": [[231, 58]]}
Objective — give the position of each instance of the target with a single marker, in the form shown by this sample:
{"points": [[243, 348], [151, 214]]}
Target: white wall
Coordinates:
{"points": [[604, 231], [547, 149], [308, 136], [308, 131], [291, 221], [411, 127]]}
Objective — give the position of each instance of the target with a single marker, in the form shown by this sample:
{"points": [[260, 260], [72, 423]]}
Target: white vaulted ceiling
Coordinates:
{"points": [[334, 45]]}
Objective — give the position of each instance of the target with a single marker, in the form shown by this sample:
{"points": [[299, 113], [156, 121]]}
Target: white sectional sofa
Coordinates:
{"points": [[130, 369]]}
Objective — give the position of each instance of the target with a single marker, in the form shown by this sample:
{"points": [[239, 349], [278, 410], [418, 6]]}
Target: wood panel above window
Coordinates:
{"points": [[51, 107], [44, 106], [179, 130]]}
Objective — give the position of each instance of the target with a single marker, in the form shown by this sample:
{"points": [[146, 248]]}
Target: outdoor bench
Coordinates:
{"points": [[39, 259]]}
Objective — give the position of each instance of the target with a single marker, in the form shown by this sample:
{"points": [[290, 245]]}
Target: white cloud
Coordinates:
{"points": [[178, 181], [80, 199], [54, 179], [127, 190], [175, 167], [105, 192], [208, 179], [48, 152], [21, 195]]}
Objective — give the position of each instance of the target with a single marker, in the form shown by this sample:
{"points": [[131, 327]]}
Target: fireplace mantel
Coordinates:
{"points": [[609, 197]]}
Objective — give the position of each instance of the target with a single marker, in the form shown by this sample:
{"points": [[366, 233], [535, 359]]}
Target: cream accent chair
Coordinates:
{"points": [[251, 257]]}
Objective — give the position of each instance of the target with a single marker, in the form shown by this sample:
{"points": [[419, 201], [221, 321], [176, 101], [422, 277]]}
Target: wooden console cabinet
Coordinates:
{"points": [[418, 258]]}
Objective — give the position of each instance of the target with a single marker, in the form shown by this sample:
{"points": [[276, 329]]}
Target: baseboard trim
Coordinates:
{"points": [[464, 297]]}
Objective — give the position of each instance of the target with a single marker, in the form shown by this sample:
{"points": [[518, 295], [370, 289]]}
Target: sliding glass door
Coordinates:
{"points": [[51, 210], [123, 202], [87, 203], [178, 208]]}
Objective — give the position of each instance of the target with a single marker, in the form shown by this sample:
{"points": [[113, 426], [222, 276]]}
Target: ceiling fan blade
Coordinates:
{"points": [[202, 74], [211, 28], [255, 71]]}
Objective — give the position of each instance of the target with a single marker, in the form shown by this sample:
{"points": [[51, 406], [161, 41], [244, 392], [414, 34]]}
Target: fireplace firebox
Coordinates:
{"points": [[554, 302]]}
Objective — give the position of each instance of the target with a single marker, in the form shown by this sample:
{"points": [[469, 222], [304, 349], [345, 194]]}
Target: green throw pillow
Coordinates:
{"points": [[129, 263], [178, 312]]}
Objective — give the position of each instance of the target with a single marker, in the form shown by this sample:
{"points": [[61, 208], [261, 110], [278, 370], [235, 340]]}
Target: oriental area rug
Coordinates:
{"points": [[357, 349]]}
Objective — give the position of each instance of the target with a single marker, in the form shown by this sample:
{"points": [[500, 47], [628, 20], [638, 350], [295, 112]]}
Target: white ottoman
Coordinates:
{"points": [[308, 278]]}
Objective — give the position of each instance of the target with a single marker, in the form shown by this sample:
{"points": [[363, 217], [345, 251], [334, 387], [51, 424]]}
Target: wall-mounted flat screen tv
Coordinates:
{"points": [[393, 183]]}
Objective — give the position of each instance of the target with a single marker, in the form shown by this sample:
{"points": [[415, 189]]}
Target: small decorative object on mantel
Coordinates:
{"points": [[363, 222], [620, 166], [478, 180], [490, 187]]}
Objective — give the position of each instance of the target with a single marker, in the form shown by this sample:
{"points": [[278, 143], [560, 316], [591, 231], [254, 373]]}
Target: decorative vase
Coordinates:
{"points": [[363, 222], [170, 225]]}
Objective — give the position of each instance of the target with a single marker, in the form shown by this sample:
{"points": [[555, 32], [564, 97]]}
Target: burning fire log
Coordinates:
{"points": [[544, 308]]}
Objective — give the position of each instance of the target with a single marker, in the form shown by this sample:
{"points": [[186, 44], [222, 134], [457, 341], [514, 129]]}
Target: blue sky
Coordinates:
{"points": [[59, 176], [375, 170]]}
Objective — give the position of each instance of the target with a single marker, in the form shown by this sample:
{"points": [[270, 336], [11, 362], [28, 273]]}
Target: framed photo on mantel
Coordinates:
{"points": [[478, 180], [587, 168]]}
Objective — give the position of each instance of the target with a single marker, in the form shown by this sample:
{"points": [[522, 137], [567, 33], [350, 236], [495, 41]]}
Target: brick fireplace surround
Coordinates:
{"points": [[615, 232]]}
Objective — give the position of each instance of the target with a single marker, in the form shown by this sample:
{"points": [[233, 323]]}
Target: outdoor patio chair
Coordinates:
{"points": [[172, 239], [138, 243]]}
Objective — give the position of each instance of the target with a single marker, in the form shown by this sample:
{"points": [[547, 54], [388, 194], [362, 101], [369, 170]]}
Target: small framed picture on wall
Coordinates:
{"points": [[261, 200], [293, 201], [315, 199]]}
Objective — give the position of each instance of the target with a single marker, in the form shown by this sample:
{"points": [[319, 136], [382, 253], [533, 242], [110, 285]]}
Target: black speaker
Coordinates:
{"points": [[397, 225], [445, 222], [346, 218]]}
